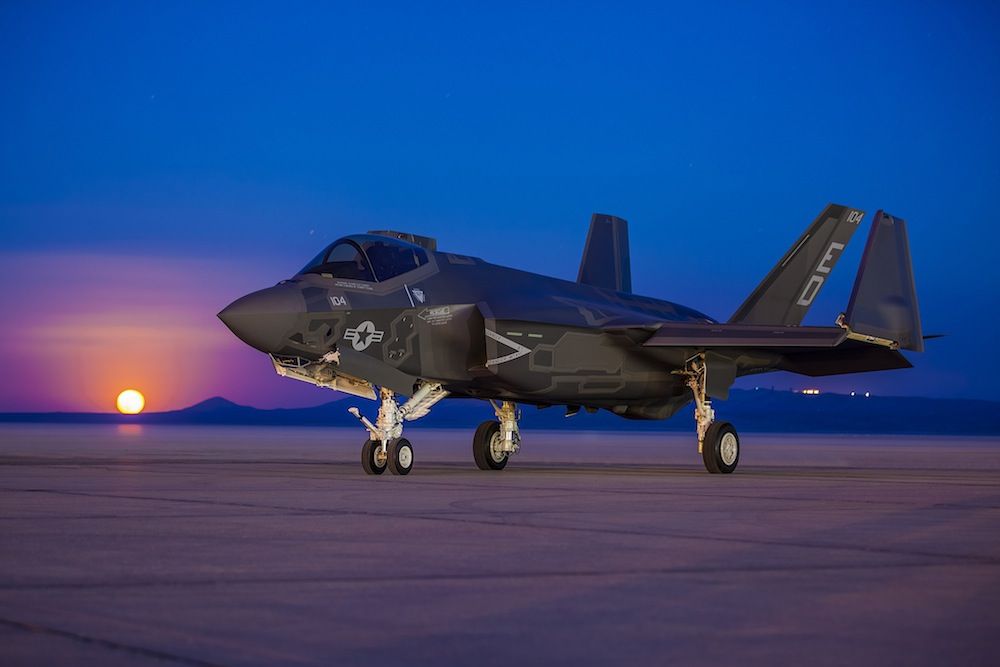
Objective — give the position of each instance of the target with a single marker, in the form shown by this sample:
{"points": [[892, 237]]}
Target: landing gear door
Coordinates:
{"points": [[720, 375]]}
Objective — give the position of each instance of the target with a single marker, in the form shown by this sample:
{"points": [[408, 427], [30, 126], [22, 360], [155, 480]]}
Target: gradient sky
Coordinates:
{"points": [[157, 160]]}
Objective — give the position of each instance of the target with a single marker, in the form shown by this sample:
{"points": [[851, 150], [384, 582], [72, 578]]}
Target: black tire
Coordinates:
{"points": [[370, 459], [400, 456], [721, 449], [482, 447]]}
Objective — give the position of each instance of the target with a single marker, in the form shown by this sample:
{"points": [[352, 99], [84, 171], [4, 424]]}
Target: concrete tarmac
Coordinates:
{"points": [[269, 546]]}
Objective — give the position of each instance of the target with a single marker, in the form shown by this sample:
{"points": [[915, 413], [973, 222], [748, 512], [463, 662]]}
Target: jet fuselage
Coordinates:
{"points": [[479, 329]]}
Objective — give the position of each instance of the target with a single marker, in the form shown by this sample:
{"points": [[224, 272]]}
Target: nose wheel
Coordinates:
{"points": [[373, 457], [396, 457], [400, 453]]}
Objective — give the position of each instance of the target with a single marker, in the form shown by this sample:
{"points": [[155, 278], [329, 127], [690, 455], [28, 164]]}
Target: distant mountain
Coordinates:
{"points": [[749, 410]]}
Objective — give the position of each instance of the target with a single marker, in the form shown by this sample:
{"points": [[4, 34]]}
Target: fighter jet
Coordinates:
{"points": [[388, 317]]}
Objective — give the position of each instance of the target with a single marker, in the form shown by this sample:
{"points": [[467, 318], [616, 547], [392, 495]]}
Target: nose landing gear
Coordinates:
{"points": [[386, 448]]}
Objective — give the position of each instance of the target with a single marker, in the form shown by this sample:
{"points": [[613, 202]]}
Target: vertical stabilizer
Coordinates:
{"points": [[786, 293], [884, 301], [605, 261]]}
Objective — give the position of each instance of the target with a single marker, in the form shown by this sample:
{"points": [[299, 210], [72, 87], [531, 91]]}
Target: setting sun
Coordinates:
{"points": [[131, 402]]}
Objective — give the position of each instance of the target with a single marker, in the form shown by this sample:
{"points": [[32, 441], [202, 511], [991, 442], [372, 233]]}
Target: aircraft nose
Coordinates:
{"points": [[265, 319]]}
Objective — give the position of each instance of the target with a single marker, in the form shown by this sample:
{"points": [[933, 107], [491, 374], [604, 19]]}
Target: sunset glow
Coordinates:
{"points": [[158, 334]]}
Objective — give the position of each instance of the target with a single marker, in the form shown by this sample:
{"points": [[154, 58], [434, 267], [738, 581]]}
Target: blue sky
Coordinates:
{"points": [[252, 133]]}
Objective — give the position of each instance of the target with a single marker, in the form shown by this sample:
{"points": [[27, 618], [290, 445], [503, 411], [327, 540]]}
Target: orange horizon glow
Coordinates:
{"points": [[131, 321], [128, 322]]}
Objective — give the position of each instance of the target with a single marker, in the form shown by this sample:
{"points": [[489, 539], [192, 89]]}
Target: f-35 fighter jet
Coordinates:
{"points": [[385, 315]]}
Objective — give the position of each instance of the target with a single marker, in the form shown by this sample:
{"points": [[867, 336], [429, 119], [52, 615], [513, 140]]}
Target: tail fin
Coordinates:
{"points": [[605, 261], [884, 301], [785, 295]]}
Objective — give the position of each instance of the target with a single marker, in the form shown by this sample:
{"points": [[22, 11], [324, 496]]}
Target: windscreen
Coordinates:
{"points": [[341, 260], [372, 260]]}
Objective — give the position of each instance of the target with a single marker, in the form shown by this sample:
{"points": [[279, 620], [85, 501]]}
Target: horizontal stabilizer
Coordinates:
{"points": [[785, 295], [605, 261], [852, 357], [697, 334], [884, 301]]}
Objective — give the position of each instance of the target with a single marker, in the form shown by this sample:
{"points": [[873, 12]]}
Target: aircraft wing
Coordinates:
{"points": [[698, 334], [812, 351]]}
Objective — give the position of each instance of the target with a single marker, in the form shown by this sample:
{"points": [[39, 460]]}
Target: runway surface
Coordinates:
{"points": [[265, 546]]}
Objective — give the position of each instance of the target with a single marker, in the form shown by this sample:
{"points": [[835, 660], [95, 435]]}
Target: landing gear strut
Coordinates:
{"points": [[386, 447], [495, 441], [718, 442]]}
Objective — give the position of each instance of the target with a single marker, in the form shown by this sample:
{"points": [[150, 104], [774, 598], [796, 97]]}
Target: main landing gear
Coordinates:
{"points": [[495, 441], [718, 442], [386, 448]]}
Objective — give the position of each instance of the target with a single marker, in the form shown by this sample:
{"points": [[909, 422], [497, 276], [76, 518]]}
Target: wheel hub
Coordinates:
{"points": [[729, 448], [405, 456], [496, 448]]}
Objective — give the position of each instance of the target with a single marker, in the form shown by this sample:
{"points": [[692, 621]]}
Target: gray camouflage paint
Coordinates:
{"points": [[489, 331]]}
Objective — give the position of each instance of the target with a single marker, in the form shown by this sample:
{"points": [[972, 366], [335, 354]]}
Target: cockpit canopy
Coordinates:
{"points": [[367, 258]]}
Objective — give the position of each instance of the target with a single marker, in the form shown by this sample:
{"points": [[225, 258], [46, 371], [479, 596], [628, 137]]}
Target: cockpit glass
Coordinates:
{"points": [[378, 259], [390, 259], [315, 261], [341, 260]]}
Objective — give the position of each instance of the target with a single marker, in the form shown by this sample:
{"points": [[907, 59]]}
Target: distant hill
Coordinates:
{"points": [[750, 410]]}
